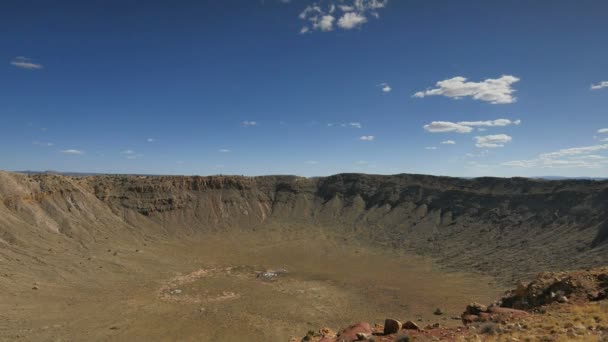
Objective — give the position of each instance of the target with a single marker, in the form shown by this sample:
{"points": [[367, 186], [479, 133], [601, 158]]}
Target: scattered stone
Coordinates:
{"points": [[391, 326], [113, 328], [438, 312], [327, 332], [34, 287], [410, 325], [363, 336], [176, 291]]}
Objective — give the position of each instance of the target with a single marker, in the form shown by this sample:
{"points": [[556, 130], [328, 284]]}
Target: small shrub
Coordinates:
{"points": [[488, 329]]}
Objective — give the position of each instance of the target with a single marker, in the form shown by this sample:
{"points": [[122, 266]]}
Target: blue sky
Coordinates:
{"points": [[509, 88]]}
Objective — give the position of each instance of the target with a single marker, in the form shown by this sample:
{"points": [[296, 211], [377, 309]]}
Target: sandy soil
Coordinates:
{"points": [[208, 289]]}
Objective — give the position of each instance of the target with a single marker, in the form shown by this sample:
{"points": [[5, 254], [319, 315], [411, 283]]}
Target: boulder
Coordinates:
{"points": [[410, 325], [391, 326], [475, 308], [466, 318], [497, 310]]}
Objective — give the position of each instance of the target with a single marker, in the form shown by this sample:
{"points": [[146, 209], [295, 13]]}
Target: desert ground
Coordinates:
{"points": [[269, 258], [209, 290]]}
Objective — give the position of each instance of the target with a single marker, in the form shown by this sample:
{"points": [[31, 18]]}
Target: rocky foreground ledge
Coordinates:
{"points": [[555, 306]]}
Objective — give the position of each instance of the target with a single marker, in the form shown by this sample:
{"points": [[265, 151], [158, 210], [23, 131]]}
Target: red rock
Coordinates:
{"points": [[484, 317], [506, 311], [469, 318], [350, 334]]}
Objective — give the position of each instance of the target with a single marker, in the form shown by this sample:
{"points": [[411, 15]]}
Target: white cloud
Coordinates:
{"points": [[430, 148], [362, 162], [26, 63], [350, 20], [344, 124], [575, 151], [385, 87], [496, 91], [446, 126], [49, 144], [490, 123], [591, 157], [492, 141], [603, 84], [325, 23], [72, 151], [367, 137], [130, 154], [150, 140], [551, 163], [466, 126], [249, 123], [223, 150], [602, 130], [354, 14], [448, 142], [576, 157]]}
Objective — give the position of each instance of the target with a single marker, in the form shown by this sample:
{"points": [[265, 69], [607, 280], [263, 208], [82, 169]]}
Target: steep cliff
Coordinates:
{"points": [[505, 227]]}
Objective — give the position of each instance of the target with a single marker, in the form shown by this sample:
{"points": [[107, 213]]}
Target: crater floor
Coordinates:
{"points": [[211, 289]]}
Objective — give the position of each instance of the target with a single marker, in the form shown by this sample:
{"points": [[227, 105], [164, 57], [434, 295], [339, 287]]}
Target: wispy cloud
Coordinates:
{"points": [[448, 142], [36, 142], [346, 124], [600, 85], [602, 130], [223, 150], [367, 137], [446, 126], [495, 91], [150, 140], [492, 141], [249, 123], [26, 63], [432, 148], [466, 126], [345, 14], [575, 151], [72, 151], [130, 154], [575, 157], [311, 162]]}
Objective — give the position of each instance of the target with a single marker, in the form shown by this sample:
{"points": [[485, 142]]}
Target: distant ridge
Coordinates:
{"points": [[86, 174]]}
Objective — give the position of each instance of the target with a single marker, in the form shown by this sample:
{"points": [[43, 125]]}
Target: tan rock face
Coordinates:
{"points": [[391, 326], [410, 325]]}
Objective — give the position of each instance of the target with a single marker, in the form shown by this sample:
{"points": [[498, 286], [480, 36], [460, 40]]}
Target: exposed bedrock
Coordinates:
{"points": [[510, 227]]}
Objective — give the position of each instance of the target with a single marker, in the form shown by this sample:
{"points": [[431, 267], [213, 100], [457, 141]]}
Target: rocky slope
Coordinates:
{"points": [[555, 306], [504, 227]]}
